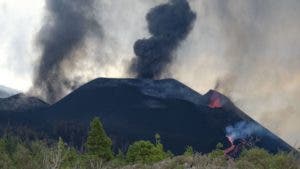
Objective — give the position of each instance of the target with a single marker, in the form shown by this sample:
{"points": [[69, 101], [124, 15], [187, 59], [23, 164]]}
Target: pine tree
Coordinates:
{"points": [[98, 143]]}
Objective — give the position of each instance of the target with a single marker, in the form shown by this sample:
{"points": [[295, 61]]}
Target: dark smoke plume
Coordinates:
{"points": [[168, 24], [65, 29]]}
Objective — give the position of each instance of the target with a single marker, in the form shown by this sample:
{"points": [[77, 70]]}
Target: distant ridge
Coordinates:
{"points": [[7, 92], [20, 102]]}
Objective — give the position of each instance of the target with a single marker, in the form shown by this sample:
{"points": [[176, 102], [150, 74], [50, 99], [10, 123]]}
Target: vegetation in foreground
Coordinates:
{"points": [[98, 154]]}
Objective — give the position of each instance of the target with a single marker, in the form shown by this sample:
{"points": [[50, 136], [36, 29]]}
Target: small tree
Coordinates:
{"points": [[144, 152], [98, 143], [147, 152]]}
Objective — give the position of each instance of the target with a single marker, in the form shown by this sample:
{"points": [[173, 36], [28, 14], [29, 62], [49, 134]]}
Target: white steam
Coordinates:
{"points": [[243, 129]]}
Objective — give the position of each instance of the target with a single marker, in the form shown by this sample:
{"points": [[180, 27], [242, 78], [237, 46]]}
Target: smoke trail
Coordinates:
{"points": [[168, 24], [66, 26]]}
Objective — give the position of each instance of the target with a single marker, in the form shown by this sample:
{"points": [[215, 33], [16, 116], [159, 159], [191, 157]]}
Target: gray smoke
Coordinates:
{"points": [[248, 50], [243, 129], [65, 29], [168, 24]]}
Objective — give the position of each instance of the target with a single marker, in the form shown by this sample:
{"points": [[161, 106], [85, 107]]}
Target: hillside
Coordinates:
{"points": [[136, 109]]}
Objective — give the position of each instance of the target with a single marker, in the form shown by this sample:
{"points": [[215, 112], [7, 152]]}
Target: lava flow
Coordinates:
{"points": [[215, 101], [232, 146]]}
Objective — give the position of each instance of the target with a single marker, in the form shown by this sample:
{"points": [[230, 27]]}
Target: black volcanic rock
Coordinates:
{"points": [[135, 109]]}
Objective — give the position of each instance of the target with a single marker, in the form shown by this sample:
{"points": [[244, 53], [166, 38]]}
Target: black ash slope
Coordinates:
{"points": [[134, 109]]}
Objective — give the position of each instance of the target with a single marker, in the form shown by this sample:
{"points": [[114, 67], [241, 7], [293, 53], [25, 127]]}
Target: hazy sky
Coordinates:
{"points": [[250, 47], [19, 20]]}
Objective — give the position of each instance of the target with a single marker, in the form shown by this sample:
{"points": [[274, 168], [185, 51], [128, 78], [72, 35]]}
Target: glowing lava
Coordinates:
{"points": [[231, 148], [215, 101]]}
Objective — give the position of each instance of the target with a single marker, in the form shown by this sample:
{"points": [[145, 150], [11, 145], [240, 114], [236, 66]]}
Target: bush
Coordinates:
{"points": [[145, 152], [217, 153], [189, 151], [5, 161], [283, 160], [260, 159], [119, 160], [254, 158]]}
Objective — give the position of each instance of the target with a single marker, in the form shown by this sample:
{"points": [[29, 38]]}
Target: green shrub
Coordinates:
{"points": [[5, 161], [189, 151], [9, 144], [39, 150], [217, 153], [255, 158], [283, 160], [145, 152], [23, 158], [119, 160]]}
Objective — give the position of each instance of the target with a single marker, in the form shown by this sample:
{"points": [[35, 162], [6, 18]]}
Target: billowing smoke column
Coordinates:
{"points": [[65, 29], [168, 24]]}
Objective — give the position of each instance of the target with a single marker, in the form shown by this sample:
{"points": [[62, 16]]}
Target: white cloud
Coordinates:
{"points": [[19, 20]]}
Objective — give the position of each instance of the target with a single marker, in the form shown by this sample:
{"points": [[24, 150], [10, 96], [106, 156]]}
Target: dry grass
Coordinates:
{"points": [[196, 161]]}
